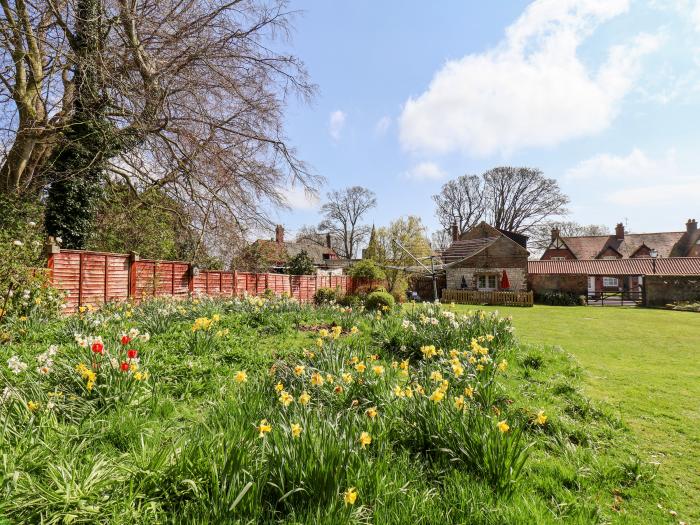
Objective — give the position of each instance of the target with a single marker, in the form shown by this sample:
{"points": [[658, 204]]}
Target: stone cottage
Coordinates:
{"points": [[477, 260]]}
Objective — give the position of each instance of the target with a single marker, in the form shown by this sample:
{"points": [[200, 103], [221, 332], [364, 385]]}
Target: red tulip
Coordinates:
{"points": [[131, 354], [125, 366], [98, 347], [126, 340]]}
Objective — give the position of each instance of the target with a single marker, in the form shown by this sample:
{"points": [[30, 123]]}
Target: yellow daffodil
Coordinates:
{"points": [[371, 412], [347, 378], [378, 370], [264, 427], [469, 391], [299, 370], [436, 376], [437, 396], [33, 406], [241, 376], [503, 426], [216, 318], [338, 389], [365, 439], [404, 364], [304, 398], [541, 419], [360, 367], [503, 365], [459, 402], [296, 430], [323, 333], [330, 379], [319, 342], [279, 387], [428, 351], [354, 330], [398, 391], [316, 379], [349, 496], [479, 367], [336, 331], [286, 398], [457, 369]]}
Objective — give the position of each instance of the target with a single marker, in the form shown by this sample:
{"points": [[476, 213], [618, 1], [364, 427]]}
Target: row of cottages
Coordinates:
{"points": [[625, 246], [486, 259], [278, 251]]}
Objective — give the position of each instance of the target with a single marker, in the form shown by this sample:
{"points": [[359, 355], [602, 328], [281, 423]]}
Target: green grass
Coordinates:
{"points": [[183, 445], [646, 364]]}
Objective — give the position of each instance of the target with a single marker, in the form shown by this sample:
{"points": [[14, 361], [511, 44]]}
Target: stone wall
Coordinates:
{"points": [[664, 289], [575, 283], [516, 276]]}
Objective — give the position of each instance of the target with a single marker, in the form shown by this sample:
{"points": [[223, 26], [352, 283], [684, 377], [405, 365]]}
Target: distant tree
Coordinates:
{"points": [[541, 235], [462, 202], [411, 233], [310, 234], [518, 199], [515, 199], [373, 250], [301, 264], [257, 257], [441, 240], [343, 213]]}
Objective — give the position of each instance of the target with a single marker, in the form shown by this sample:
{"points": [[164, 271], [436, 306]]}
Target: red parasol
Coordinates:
{"points": [[505, 283]]}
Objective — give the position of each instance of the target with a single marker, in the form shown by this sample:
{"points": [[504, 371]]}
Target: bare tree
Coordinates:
{"points": [[310, 234], [342, 215], [194, 91], [441, 240], [518, 199], [460, 201]]}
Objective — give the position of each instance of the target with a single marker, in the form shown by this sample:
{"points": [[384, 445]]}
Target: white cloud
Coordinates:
{"points": [[382, 125], [336, 122], [425, 171], [531, 90], [695, 15], [299, 199], [638, 180]]}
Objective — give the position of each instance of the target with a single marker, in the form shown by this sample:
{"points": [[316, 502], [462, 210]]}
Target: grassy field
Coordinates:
{"points": [[646, 364]]}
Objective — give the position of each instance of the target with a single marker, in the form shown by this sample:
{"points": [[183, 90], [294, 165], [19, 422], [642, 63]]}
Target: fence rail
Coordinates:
{"points": [[621, 298], [97, 277], [503, 298]]}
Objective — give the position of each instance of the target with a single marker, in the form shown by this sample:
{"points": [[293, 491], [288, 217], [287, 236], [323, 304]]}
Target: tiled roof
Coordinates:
{"points": [[635, 266], [281, 252], [590, 247], [459, 250]]}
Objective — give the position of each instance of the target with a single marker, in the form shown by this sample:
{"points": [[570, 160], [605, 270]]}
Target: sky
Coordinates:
{"points": [[601, 95]]}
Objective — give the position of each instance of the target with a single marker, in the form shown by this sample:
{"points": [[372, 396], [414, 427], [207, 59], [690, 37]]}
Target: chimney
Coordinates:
{"points": [[279, 234], [691, 225], [555, 233], [620, 231], [455, 232], [328, 240]]}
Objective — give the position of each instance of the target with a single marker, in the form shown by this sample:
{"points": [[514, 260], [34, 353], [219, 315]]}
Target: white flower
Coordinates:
{"points": [[50, 405], [18, 243], [133, 333], [113, 362], [146, 337], [32, 224], [16, 365], [58, 240], [6, 394]]}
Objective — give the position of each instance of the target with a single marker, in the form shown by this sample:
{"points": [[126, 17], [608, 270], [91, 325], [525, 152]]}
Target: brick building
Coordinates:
{"points": [[480, 258], [623, 245]]}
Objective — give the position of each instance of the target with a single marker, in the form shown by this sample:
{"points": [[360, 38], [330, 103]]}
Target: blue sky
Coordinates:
{"points": [[602, 95]]}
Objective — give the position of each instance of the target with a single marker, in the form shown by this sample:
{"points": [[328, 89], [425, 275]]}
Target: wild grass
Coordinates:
{"points": [[267, 411]]}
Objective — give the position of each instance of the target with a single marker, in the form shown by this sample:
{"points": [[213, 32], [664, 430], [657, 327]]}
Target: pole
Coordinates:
{"points": [[432, 270]]}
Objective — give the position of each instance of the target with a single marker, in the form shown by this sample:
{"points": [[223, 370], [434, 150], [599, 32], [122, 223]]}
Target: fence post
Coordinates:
{"points": [[50, 250], [133, 259], [190, 278], [234, 286]]}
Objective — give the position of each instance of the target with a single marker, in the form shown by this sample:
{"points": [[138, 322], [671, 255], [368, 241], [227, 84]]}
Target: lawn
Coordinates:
{"points": [[646, 364]]}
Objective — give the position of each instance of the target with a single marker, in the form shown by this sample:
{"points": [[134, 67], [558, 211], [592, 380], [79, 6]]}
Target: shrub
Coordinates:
{"points": [[379, 300], [301, 264], [366, 269], [352, 300], [325, 296], [557, 298]]}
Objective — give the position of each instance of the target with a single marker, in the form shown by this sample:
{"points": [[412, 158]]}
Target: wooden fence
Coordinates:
{"points": [[496, 298], [97, 277]]}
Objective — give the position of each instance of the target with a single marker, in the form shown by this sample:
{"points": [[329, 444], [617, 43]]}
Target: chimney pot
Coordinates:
{"points": [[328, 240], [455, 232], [555, 233], [691, 225], [279, 234], [620, 231]]}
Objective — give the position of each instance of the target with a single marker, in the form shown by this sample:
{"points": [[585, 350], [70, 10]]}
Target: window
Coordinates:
{"points": [[610, 282], [608, 257], [558, 258], [486, 282]]}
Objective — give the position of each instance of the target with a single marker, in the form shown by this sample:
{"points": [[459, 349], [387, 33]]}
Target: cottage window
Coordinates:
{"points": [[558, 258], [486, 282], [609, 282]]}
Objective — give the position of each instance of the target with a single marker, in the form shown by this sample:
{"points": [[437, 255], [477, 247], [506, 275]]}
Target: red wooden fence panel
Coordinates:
{"points": [[97, 277]]}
